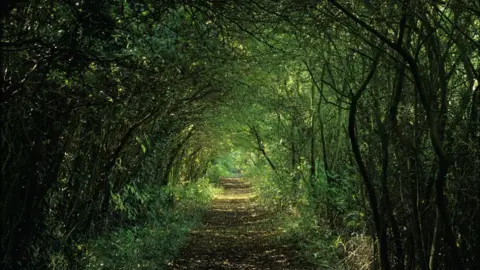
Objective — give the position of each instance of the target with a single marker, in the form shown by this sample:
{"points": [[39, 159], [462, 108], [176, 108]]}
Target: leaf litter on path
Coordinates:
{"points": [[237, 233]]}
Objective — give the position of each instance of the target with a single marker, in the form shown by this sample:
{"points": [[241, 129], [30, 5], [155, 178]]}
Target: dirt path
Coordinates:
{"points": [[236, 234]]}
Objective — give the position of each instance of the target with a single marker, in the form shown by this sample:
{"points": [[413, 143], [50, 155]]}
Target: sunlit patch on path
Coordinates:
{"points": [[237, 233]]}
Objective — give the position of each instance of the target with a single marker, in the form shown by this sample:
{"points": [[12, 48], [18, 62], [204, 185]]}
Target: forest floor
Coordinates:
{"points": [[237, 233]]}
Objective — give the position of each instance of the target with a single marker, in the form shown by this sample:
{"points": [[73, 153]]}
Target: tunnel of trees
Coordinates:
{"points": [[363, 115]]}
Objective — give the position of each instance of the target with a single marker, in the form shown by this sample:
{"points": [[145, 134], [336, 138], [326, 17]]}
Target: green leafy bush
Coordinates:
{"points": [[225, 166], [168, 215], [216, 172], [324, 220]]}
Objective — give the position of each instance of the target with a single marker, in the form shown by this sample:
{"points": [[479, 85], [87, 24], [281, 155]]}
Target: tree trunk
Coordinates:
{"points": [[381, 231]]}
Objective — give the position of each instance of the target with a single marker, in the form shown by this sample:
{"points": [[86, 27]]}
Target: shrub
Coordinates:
{"points": [[168, 216], [324, 220]]}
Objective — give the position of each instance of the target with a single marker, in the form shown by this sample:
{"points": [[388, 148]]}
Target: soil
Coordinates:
{"points": [[237, 233]]}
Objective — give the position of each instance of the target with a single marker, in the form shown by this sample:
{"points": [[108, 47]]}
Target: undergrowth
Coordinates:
{"points": [[325, 222], [162, 225]]}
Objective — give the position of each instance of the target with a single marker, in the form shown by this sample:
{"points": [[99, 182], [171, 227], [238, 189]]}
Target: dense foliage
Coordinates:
{"points": [[360, 120]]}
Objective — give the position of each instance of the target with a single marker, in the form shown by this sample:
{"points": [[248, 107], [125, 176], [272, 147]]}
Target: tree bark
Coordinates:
{"points": [[381, 232]]}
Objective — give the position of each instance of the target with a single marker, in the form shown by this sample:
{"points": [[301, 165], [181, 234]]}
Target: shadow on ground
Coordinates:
{"points": [[236, 233]]}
